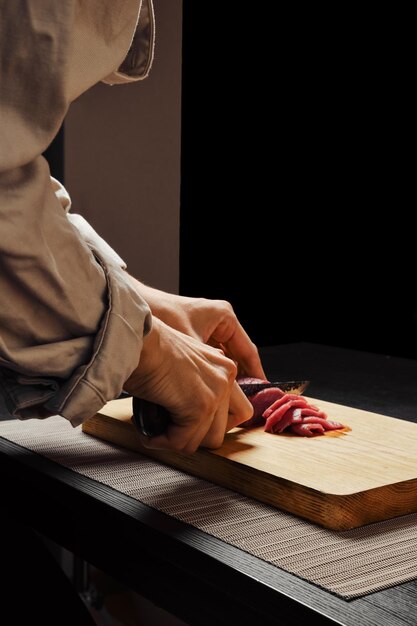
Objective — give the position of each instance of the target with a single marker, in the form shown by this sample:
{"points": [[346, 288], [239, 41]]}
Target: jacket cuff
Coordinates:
{"points": [[116, 352], [138, 61]]}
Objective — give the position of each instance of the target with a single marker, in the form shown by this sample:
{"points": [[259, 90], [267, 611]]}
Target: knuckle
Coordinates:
{"points": [[227, 373], [231, 368], [200, 303], [225, 306]]}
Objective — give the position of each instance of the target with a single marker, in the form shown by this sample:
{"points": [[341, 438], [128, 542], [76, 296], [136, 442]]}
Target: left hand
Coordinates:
{"points": [[211, 321]]}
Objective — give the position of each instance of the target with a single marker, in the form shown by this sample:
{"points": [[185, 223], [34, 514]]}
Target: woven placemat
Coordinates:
{"points": [[350, 563]]}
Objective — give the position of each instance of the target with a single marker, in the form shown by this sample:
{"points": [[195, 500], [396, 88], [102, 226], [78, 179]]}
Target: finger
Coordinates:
{"points": [[233, 410], [215, 434], [242, 350], [240, 409], [176, 435], [213, 438]]}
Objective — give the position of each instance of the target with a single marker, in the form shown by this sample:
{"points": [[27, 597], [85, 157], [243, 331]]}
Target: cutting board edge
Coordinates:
{"points": [[332, 511]]}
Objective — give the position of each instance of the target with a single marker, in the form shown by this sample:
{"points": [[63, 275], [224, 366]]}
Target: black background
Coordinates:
{"points": [[296, 121], [294, 170]]}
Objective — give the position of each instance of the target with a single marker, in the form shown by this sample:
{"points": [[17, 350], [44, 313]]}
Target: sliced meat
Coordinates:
{"points": [[327, 424], [307, 430], [297, 416], [280, 402], [273, 422], [261, 401], [335, 425], [280, 411], [292, 416], [313, 411]]}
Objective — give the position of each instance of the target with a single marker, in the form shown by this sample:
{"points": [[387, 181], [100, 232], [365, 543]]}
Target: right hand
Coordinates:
{"points": [[195, 383]]}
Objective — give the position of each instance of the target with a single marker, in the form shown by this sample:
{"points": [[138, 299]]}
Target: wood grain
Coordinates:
{"points": [[340, 480]]}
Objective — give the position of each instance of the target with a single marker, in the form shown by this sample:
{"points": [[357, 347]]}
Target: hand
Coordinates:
{"points": [[210, 321], [195, 383]]}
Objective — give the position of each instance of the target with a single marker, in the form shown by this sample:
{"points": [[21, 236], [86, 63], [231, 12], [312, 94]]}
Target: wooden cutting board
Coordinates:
{"points": [[339, 480]]}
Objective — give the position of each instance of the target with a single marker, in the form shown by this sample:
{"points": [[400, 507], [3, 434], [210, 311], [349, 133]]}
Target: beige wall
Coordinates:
{"points": [[122, 159]]}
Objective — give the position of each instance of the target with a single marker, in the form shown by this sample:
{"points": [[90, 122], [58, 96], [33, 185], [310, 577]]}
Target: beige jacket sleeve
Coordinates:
{"points": [[85, 230], [71, 326]]}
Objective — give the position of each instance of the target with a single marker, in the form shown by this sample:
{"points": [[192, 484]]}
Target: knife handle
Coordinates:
{"points": [[149, 418]]}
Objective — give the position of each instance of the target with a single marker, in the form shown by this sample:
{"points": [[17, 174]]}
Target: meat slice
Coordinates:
{"points": [[277, 404], [297, 416], [292, 416], [307, 430], [311, 411], [276, 419], [327, 424], [261, 401]]}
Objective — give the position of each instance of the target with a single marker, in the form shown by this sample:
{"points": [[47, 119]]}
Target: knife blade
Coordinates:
{"points": [[152, 419], [297, 387]]}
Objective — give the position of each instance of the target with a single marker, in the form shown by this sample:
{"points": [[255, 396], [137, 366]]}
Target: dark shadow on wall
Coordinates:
{"points": [[54, 154]]}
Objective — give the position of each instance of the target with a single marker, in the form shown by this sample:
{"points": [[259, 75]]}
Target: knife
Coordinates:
{"points": [[152, 419], [297, 387]]}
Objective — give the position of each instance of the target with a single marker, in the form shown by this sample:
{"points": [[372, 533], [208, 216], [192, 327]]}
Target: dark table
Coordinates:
{"points": [[193, 575]]}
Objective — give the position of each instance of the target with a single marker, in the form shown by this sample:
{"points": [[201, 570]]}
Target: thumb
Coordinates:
{"points": [[240, 409]]}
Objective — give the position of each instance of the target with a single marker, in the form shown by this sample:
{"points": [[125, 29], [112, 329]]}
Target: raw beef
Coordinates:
{"points": [[282, 417], [307, 430], [261, 401], [280, 412]]}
